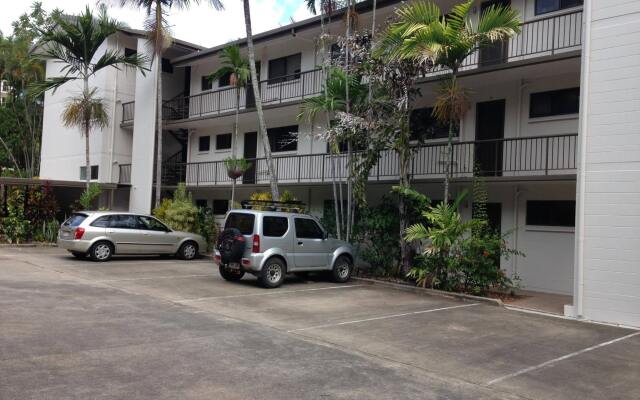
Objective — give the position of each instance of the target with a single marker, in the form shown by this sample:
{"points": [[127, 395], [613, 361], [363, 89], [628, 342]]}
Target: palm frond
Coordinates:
{"points": [[116, 59], [86, 111]]}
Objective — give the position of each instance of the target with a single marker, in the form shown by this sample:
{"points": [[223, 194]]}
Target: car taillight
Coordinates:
{"points": [[79, 233], [255, 248], [217, 259]]}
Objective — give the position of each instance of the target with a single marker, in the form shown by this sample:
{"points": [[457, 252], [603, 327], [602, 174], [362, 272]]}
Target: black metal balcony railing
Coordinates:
{"points": [[510, 157], [541, 37]]}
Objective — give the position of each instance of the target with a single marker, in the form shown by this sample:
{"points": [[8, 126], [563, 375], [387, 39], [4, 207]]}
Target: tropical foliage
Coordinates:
{"points": [[75, 43], [87, 200], [31, 215]]}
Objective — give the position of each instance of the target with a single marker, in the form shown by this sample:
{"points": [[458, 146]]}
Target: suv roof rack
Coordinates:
{"points": [[295, 206]]}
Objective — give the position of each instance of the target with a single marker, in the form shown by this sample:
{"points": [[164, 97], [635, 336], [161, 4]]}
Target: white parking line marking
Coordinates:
{"points": [[265, 294], [155, 277], [382, 317], [565, 357]]}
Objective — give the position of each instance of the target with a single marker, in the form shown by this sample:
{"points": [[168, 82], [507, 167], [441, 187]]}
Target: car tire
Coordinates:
{"points": [[79, 255], [101, 251], [188, 250], [230, 274], [272, 273], [342, 269]]}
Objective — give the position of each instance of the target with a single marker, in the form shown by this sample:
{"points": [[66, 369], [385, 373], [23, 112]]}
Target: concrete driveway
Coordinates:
{"points": [[166, 329]]}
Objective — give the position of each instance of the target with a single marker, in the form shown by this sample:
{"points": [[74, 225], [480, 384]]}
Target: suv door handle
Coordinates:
{"points": [[300, 243]]}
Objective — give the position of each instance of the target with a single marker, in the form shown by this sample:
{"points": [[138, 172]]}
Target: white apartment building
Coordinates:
{"points": [[553, 125]]}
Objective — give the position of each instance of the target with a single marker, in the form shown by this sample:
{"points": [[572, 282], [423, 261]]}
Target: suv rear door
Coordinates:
{"points": [[277, 233], [310, 245]]}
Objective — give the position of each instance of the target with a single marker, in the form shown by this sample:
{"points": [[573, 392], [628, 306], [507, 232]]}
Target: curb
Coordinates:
{"points": [[432, 292], [6, 245]]}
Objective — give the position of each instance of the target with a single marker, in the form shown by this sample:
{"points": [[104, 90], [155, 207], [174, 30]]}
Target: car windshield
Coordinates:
{"points": [[241, 221], [75, 220]]}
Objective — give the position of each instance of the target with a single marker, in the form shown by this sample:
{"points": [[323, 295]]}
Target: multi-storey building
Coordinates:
{"points": [[539, 128]]}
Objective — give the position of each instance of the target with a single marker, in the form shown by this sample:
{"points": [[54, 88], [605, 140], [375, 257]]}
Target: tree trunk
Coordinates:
{"points": [[273, 179], [87, 168], [404, 157], [233, 192], [235, 126], [447, 176], [348, 110], [158, 131]]}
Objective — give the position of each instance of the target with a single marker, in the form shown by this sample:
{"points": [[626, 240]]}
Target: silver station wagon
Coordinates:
{"points": [[101, 234], [270, 244]]}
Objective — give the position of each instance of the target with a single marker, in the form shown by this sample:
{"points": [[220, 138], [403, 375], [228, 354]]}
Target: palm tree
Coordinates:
{"points": [[237, 68], [331, 101], [424, 35], [75, 42], [273, 179], [159, 39]]}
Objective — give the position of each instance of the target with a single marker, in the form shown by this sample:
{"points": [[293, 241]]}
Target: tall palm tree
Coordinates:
{"points": [[424, 35], [237, 68], [159, 39], [74, 42], [273, 179]]}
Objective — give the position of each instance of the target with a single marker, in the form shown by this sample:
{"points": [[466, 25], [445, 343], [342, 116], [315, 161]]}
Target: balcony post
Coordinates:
{"points": [[553, 35], [299, 165], [303, 77], [546, 161]]}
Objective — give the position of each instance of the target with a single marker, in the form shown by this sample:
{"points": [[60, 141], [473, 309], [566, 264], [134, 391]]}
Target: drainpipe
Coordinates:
{"points": [[578, 269], [516, 226], [113, 123]]}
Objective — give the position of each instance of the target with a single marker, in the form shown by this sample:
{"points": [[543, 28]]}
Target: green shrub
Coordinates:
{"points": [[15, 226], [207, 227], [182, 214], [89, 195]]}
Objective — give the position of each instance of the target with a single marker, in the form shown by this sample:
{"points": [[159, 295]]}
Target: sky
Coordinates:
{"points": [[200, 24]]}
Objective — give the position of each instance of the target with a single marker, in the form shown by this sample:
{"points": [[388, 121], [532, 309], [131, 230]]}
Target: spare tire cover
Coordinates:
{"points": [[231, 245]]}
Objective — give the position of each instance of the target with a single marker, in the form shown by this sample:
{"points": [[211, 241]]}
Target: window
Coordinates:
{"points": [[124, 222], [283, 138], [152, 224], [223, 142], [336, 52], [94, 173], [308, 229], [555, 102], [201, 203], [225, 80], [129, 52], [220, 207], [425, 126], [166, 66], [102, 222], [205, 83], [285, 68], [75, 220], [547, 6], [274, 226], [551, 213], [204, 143], [241, 221]]}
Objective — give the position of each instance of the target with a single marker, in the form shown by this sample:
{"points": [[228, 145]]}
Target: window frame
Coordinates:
{"points": [[554, 103], [220, 135], [135, 217], [225, 80], [322, 232], [545, 209], [215, 209], [273, 142], [287, 76], [200, 143], [205, 83], [264, 224], [246, 215], [560, 7], [143, 226], [444, 134], [94, 171]]}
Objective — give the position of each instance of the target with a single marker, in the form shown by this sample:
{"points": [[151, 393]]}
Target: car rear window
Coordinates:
{"points": [[241, 221], [274, 226], [75, 220]]}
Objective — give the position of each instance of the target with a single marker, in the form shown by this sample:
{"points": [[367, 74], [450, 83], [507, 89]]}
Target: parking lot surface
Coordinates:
{"points": [[152, 328]]}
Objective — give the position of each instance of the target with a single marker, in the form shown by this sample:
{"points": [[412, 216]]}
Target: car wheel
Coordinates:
{"points": [[231, 275], [79, 255], [342, 269], [101, 251], [188, 251], [272, 273]]}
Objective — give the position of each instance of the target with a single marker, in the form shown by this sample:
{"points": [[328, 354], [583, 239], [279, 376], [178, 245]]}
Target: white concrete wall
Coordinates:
{"points": [[143, 148], [608, 244]]}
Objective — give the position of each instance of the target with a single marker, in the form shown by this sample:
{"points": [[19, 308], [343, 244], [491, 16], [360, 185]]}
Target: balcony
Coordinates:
{"points": [[550, 36], [517, 158]]}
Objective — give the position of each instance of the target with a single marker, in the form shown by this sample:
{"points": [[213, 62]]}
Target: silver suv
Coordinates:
{"points": [[101, 234], [270, 244]]}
